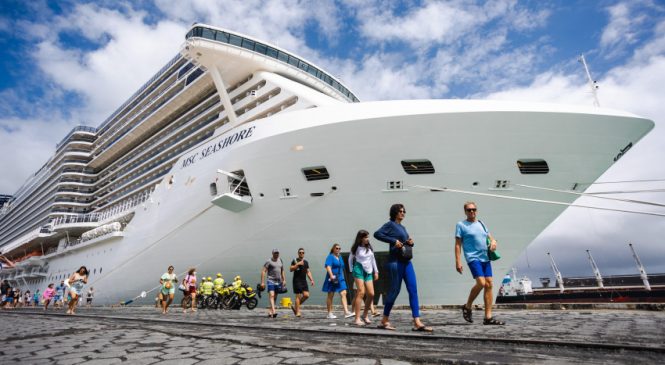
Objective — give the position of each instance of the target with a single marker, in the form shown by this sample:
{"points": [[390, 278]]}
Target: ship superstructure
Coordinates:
{"points": [[236, 146]]}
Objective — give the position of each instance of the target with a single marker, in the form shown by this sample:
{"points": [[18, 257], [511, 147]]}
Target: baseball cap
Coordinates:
{"points": [[274, 250]]}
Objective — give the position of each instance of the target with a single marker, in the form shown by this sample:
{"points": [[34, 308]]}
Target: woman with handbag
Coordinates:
{"points": [[400, 267], [189, 282], [334, 281], [167, 290]]}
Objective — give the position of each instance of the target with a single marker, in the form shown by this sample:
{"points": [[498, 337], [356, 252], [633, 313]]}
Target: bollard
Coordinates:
{"points": [[286, 302]]}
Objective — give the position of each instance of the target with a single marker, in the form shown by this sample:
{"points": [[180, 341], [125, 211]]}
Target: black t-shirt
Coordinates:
{"points": [[4, 288], [300, 274]]}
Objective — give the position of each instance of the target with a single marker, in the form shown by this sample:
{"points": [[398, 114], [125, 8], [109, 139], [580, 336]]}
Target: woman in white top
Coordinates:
{"points": [[76, 282], [362, 265]]}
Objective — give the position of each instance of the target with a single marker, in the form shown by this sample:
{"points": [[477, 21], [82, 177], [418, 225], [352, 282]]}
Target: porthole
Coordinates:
{"points": [[417, 167]]}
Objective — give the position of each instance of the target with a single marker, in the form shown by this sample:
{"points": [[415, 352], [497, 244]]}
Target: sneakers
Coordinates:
{"points": [[349, 315], [331, 316]]}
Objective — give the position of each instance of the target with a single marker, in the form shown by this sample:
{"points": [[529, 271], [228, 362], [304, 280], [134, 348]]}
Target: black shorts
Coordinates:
{"points": [[300, 286]]}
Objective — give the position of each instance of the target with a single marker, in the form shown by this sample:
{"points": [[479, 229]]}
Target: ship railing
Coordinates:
{"points": [[108, 214]]}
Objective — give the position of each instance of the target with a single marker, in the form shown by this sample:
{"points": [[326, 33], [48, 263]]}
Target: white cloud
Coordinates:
{"points": [[106, 76], [385, 76], [622, 30]]}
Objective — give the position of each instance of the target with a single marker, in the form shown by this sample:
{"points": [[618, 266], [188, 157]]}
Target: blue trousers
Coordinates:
{"points": [[399, 271]]}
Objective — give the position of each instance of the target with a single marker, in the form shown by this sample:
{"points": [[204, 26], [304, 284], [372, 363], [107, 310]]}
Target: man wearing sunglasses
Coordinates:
{"points": [[471, 235], [300, 269]]}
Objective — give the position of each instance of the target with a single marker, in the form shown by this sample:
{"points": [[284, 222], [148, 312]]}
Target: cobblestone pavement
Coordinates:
{"points": [[141, 335]]}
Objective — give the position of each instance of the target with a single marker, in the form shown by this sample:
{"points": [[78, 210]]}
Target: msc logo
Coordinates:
{"points": [[623, 151]]}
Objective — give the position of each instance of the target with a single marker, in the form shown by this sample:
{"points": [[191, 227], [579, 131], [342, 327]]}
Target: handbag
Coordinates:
{"points": [[493, 255], [405, 253], [335, 281]]}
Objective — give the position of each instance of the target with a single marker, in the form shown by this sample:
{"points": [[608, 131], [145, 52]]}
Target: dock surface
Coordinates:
{"points": [[142, 335]]}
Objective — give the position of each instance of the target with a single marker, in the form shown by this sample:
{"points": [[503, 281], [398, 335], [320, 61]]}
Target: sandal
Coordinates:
{"points": [[366, 320], [359, 324], [386, 326], [423, 329], [493, 321], [467, 313]]}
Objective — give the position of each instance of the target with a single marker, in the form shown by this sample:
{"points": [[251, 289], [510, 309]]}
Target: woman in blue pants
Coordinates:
{"points": [[399, 267]]}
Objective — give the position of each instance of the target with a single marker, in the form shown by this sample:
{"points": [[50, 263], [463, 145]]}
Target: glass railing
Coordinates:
{"points": [[159, 73], [258, 47], [80, 128]]}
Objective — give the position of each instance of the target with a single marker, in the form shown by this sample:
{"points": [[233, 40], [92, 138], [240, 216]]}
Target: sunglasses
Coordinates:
{"points": [[471, 209], [302, 252], [338, 248]]}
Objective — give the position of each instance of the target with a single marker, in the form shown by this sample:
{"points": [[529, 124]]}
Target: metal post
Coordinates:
{"points": [[596, 272], [557, 273], [643, 273], [592, 84]]}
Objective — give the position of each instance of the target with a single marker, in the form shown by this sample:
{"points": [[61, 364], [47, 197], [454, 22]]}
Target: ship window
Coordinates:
{"points": [[316, 173], [286, 192], [271, 52], [533, 166], [260, 48], [246, 43], [416, 167], [222, 36], [235, 40], [394, 185]]}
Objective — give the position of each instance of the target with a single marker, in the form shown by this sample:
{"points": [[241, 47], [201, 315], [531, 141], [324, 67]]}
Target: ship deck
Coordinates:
{"points": [[142, 334]]}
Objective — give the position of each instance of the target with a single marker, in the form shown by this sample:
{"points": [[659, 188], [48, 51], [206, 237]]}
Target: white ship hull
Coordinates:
{"points": [[361, 145]]}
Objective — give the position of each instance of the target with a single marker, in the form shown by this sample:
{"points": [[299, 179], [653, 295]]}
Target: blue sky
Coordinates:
{"points": [[66, 63]]}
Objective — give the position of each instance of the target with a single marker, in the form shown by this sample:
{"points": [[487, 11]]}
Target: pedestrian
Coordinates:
{"points": [[400, 268], [8, 302], [300, 269], [27, 298], [274, 270], [189, 283], [472, 236], [59, 298], [362, 265], [35, 298], [48, 295], [76, 282], [334, 281], [167, 291], [17, 297], [90, 295], [5, 289]]}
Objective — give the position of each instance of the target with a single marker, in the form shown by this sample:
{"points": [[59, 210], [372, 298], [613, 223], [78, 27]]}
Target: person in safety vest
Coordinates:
{"points": [[206, 286], [237, 285], [218, 283]]}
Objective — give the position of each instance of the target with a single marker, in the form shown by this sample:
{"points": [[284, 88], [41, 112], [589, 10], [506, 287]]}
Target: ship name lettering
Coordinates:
{"points": [[214, 148]]}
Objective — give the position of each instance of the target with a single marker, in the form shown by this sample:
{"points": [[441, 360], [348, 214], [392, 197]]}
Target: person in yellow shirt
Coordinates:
{"points": [[218, 283], [237, 285], [207, 286]]}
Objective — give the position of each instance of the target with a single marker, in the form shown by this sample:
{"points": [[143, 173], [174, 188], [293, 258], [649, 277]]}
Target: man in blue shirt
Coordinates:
{"points": [[472, 236]]}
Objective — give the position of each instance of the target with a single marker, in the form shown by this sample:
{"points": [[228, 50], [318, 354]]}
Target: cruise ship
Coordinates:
{"points": [[236, 147]]}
